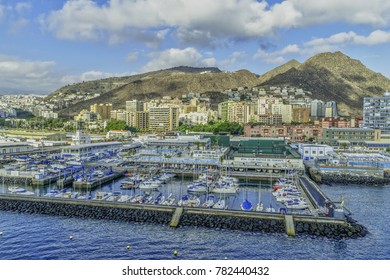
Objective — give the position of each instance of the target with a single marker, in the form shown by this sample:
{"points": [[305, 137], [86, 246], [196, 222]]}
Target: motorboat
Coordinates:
{"points": [[197, 188], [18, 190], [114, 197], [124, 198], [225, 189], [149, 185], [102, 195]]}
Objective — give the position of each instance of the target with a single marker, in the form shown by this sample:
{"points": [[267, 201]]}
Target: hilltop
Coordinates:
{"points": [[334, 76]]}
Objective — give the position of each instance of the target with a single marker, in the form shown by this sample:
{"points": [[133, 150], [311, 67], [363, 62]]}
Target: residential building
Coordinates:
{"points": [[163, 119], [134, 106], [376, 113], [104, 110]]}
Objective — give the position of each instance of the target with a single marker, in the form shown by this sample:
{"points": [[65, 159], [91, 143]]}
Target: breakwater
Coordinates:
{"points": [[345, 177], [236, 220]]}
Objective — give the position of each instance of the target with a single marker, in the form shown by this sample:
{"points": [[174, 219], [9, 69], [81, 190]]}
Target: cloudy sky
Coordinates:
{"points": [[47, 44]]}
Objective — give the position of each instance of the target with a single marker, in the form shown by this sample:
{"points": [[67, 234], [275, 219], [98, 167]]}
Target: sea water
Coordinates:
{"points": [[33, 236]]}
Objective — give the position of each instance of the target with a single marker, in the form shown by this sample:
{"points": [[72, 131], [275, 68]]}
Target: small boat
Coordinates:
{"points": [[52, 193], [209, 202], [246, 205], [102, 195], [193, 201], [170, 200], [259, 207], [159, 199], [149, 185], [18, 190], [220, 204], [225, 189], [114, 197], [124, 198], [137, 199], [197, 188]]}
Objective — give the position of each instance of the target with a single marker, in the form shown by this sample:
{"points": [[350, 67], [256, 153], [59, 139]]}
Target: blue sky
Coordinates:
{"points": [[47, 44]]}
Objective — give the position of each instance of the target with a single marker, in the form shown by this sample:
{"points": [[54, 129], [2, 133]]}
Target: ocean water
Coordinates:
{"points": [[31, 236]]}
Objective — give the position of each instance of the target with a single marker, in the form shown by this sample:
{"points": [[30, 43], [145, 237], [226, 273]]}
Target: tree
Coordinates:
{"points": [[117, 125]]}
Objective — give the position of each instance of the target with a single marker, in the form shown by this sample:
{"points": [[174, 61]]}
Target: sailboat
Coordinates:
{"points": [[259, 206], [246, 205]]}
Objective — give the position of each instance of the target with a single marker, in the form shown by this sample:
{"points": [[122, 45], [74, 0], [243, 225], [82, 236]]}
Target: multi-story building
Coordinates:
{"points": [[104, 110], [300, 113], [350, 136], [376, 113], [292, 132], [163, 119], [331, 109], [134, 106], [223, 110], [317, 109]]}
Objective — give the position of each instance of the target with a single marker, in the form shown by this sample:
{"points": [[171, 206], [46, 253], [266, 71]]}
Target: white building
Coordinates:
{"points": [[7, 148], [194, 118], [313, 151], [86, 152]]}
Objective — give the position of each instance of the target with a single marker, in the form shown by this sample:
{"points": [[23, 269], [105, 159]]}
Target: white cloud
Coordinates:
{"points": [[26, 74], [204, 22], [90, 76], [132, 56], [348, 38], [22, 6], [1, 12], [319, 45], [177, 57], [236, 59]]}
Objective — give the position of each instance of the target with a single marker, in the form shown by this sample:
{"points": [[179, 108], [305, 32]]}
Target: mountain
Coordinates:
{"points": [[333, 76], [173, 82], [328, 76], [279, 70]]}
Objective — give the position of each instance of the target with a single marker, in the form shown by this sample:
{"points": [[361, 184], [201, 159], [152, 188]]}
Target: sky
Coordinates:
{"points": [[46, 44]]}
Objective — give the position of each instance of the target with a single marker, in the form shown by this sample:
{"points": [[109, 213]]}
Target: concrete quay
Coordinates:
{"points": [[170, 215]]}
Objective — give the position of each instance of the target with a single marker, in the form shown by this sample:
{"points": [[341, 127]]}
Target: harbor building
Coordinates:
{"points": [[87, 152], [9, 148], [376, 113], [349, 136], [314, 151], [264, 155]]}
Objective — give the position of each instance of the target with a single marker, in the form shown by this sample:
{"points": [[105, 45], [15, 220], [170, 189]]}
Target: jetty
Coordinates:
{"points": [[292, 224]]}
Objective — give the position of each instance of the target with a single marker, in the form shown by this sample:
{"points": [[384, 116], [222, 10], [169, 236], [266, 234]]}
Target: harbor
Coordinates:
{"points": [[276, 211]]}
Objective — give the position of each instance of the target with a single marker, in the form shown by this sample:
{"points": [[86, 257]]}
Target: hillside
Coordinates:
{"points": [[328, 76], [173, 82], [334, 76]]}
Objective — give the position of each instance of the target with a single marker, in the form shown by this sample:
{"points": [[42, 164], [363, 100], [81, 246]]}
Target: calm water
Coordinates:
{"points": [[27, 236]]}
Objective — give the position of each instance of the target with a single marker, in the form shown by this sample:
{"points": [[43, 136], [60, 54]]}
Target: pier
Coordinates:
{"points": [[185, 216], [89, 185]]}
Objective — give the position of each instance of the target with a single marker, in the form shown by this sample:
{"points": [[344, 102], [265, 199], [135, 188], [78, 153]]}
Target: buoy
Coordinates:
{"points": [[175, 253], [71, 237], [128, 247], [1, 233]]}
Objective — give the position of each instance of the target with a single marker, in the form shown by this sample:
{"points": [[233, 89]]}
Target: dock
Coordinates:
{"points": [[89, 185]]}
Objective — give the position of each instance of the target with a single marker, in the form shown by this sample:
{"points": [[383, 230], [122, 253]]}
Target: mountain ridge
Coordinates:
{"points": [[328, 76]]}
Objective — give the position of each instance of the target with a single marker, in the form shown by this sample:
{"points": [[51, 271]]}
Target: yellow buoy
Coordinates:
{"points": [[175, 253], [128, 247]]}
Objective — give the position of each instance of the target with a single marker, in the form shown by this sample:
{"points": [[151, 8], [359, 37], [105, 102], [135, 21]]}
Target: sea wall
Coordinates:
{"points": [[235, 220], [323, 177]]}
